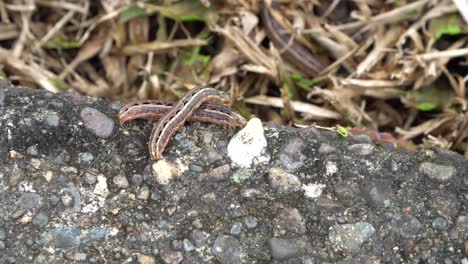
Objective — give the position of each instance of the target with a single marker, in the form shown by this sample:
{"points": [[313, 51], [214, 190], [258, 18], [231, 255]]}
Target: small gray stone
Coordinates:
{"points": [[198, 238], [328, 205], [18, 213], [41, 219], [197, 223], [188, 246], [217, 174], [350, 237], [89, 178], [441, 173], [177, 244], [378, 193], [33, 150], [29, 200], [143, 193], [291, 220], [98, 123], [227, 249], [283, 181], [407, 226], [2, 245], [171, 257], [137, 179], [67, 200], [236, 229], [2, 234], [52, 120], [291, 155], [85, 158], [250, 222], [121, 181], [76, 256], [63, 237], [440, 223], [214, 156], [281, 248], [195, 168], [362, 149], [362, 138], [325, 149]]}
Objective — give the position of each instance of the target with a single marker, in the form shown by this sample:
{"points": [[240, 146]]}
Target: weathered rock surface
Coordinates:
{"points": [[77, 187]]}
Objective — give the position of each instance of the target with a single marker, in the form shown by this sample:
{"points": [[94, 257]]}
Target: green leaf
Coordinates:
{"points": [[451, 30], [342, 131], [426, 106], [450, 24], [429, 98], [184, 11], [131, 12], [303, 82], [58, 42]]}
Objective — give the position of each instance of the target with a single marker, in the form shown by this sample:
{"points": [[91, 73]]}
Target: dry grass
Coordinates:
{"points": [[394, 66]]}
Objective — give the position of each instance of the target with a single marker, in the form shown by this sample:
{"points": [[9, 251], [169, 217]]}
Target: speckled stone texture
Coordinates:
{"points": [[75, 186]]}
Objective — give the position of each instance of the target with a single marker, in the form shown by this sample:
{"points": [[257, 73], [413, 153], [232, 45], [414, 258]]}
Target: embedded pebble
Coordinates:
{"points": [[165, 171], [2, 245], [291, 155], [171, 256], [362, 149], [407, 226], [137, 179], [291, 220], [236, 229], [440, 223], [76, 256], [2, 234], [121, 181], [33, 150], [197, 223], [145, 259], [89, 178], [281, 248], [85, 158], [188, 246], [378, 192], [249, 145], [52, 120], [227, 249], [250, 222], [362, 138], [67, 199], [441, 173], [198, 238], [350, 237], [283, 181], [29, 200], [325, 149], [143, 193], [41, 219], [70, 236], [98, 123], [217, 174]]}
